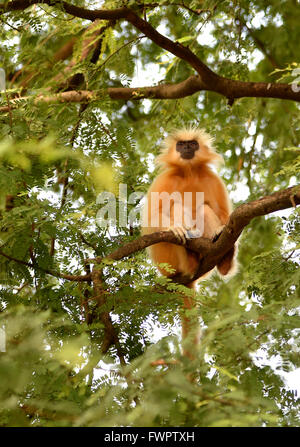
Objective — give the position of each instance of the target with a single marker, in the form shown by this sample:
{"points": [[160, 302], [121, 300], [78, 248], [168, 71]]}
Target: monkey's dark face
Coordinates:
{"points": [[187, 148]]}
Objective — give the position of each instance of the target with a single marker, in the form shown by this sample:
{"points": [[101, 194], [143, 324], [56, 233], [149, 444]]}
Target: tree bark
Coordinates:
{"points": [[231, 89]]}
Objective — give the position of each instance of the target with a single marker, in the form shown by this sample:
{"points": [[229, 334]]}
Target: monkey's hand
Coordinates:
{"points": [[180, 233], [184, 232]]}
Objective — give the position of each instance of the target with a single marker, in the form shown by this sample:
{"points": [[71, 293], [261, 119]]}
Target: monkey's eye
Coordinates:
{"points": [[194, 143]]}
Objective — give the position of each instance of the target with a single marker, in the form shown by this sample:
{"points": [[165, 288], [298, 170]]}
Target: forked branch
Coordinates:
{"points": [[210, 252], [207, 78]]}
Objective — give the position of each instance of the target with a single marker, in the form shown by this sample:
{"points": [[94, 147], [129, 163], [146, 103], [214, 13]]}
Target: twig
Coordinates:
{"points": [[49, 272], [9, 111], [259, 44]]}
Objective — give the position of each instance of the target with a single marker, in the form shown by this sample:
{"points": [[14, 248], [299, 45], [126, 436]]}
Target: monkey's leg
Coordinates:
{"points": [[212, 223], [212, 229], [176, 256], [184, 262]]}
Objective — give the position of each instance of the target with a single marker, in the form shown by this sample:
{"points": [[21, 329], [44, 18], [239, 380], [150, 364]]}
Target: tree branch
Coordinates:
{"points": [[212, 252], [91, 45], [238, 220], [49, 272], [110, 334], [229, 88], [260, 44], [188, 87]]}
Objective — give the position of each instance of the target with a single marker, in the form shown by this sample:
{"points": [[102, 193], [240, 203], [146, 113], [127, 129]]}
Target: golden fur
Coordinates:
{"points": [[194, 175], [169, 157], [181, 175]]}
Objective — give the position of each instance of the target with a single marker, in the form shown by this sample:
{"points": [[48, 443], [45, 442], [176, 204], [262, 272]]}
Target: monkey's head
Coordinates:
{"points": [[188, 148]]}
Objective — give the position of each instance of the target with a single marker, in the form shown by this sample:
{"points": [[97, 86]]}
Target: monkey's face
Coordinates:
{"points": [[187, 148]]}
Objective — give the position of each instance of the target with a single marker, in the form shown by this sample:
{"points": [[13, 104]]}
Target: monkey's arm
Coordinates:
{"points": [[228, 264], [221, 204], [154, 214]]}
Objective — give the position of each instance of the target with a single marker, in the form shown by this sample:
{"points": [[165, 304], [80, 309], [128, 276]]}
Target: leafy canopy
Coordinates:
{"points": [[57, 156]]}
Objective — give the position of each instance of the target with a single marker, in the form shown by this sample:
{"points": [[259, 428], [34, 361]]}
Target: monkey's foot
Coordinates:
{"points": [[194, 233], [227, 264], [163, 362], [217, 233]]}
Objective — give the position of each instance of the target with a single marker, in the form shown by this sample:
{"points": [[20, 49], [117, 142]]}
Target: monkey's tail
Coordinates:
{"points": [[190, 324]]}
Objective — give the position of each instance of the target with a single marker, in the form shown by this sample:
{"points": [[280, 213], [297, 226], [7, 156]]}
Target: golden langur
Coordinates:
{"points": [[190, 199]]}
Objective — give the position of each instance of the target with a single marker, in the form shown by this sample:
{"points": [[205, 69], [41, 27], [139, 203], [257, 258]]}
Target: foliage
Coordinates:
{"points": [[56, 157]]}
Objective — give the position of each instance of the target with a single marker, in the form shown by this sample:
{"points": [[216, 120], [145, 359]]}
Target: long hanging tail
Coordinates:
{"points": [[190, 325]]}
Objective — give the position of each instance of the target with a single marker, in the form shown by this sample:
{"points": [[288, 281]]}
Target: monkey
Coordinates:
{"points": [[185, 169]]}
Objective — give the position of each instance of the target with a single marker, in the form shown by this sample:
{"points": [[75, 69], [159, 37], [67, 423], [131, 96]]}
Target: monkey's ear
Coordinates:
{"points": [[211, 156], [168, 156]]}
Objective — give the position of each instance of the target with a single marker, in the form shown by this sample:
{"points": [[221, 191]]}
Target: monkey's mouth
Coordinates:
{"points": [[187, 155]]}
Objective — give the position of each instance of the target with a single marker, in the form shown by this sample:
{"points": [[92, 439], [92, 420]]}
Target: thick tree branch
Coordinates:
{"points": [[119, 14], [209, 80], [238, 220], [212, 252], [188, 87], [191, 85]]}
